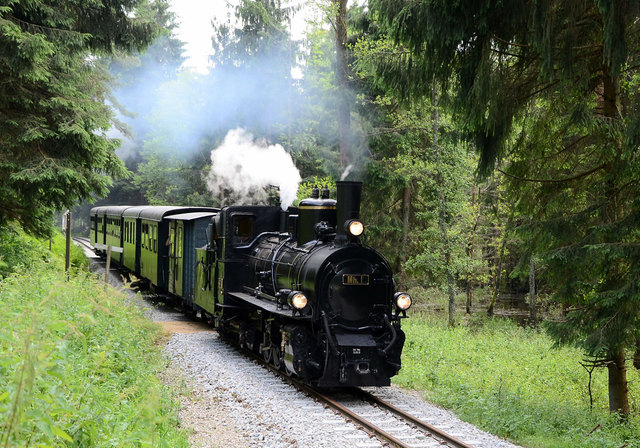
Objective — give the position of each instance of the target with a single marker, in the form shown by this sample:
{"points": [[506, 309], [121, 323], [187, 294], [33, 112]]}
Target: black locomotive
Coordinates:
{"points": [[296, 286]]}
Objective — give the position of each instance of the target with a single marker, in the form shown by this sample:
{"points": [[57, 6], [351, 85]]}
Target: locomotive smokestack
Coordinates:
{"points": [[348, 205]]}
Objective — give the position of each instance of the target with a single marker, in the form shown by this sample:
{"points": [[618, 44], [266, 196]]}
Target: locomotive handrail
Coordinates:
{"points": [[273, 263], [329, 335], [260, 235], [394, 335]]}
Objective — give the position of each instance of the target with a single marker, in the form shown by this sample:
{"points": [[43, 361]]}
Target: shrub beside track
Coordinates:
{"points": [[78, 364]]}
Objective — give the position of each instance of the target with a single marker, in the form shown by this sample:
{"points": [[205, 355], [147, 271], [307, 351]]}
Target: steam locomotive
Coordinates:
{"points": [[296, 286]]}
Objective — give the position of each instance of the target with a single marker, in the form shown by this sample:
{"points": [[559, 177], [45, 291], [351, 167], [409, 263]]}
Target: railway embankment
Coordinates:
{"points": [[79, 364]]}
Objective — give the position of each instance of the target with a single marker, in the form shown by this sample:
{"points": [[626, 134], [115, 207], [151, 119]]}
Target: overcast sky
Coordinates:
{"points": [[195, 16]]}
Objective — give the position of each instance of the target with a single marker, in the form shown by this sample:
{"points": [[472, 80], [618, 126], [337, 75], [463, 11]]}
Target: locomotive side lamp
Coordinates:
{"points": [[403, 303], [297, 300], [354, 227]]}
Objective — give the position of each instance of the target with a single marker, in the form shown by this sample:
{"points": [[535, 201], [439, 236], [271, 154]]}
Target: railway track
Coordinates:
{"points": [[83, 242], [388, 423], [384, 421]]}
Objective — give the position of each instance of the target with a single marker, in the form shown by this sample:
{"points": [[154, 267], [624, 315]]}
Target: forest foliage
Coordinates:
{"points": [[53, 114], [496, 141]]}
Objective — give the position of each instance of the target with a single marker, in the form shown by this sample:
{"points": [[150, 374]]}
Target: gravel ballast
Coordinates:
{"points": [[271, 413], [234, 402]]}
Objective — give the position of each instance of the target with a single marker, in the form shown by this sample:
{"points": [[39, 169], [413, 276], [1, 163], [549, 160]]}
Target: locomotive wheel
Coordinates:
{"points": [[275, 356], [267, 354], [287, 371], [242, 340]]}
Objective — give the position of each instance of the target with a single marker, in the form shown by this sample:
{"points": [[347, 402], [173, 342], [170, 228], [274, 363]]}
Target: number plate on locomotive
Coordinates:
{"points": [[355, 279]]}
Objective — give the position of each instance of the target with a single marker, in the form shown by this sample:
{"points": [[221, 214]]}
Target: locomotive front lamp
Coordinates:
{"points": [[354, 227], [298, 300], [403, 301]]}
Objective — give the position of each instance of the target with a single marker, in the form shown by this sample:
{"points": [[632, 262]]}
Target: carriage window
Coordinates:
{"points": [[145, 236], [243, 228], [155, 239]]}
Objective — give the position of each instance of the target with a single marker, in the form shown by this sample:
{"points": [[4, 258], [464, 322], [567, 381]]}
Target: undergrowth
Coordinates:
{"points": [[78, 362], [511, 382]]}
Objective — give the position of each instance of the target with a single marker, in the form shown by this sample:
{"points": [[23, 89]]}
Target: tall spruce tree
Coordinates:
{"points": [[53, 119], [257, 53], [563, 74]]}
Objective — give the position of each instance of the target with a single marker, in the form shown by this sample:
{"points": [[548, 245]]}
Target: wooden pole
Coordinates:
{"points": [[532, 292], [106, 272], [67, 258]]}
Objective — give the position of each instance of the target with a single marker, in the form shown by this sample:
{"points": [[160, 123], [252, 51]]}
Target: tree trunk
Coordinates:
{"points": [[618, 388], [498, 273], [406, 209], [452, 298], [498, 278], [636, 355], [342, 78], [470, 253], [532, 292], [406, 206], [443, 215]]}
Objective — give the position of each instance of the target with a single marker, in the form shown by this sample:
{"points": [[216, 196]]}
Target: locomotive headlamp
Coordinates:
{"points": [[298, 300], [354, 227], [403, 301]]}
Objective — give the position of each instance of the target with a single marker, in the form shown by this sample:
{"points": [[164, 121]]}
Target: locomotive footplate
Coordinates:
{"points": [[265, 305], [358, 362]]}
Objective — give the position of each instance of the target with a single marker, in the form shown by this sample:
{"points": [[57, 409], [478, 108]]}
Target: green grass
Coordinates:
{"points": [[78, 363], [511, 382]]}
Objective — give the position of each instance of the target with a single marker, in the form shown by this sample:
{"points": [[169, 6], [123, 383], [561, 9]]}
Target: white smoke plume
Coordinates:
{"points": [[242, 167]]}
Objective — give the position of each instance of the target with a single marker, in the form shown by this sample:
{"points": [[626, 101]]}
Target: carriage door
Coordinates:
{"points": [[176, 238], [178, 262], [172, 256]]}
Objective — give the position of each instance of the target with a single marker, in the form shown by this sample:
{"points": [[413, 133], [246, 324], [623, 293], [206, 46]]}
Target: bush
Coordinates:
{"points": [[16, 250], [510, 381], [78, 363]]}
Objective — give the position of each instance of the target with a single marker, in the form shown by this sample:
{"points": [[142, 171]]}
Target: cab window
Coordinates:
{"points": [[243, 229]]}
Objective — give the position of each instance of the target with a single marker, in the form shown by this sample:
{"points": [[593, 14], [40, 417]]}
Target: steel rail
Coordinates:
{"points": [[365, 424], [84, 241], [416, 421], [355, 418], [370, 427]]}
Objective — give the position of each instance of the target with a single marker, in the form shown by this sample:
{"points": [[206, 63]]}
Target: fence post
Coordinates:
{"points": [[106, 272], [67, 258]]}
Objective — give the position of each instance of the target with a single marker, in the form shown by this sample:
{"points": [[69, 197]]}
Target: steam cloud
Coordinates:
{"points": [[241, 169]]}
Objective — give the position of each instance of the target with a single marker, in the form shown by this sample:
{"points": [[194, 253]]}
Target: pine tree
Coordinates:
{"points": [[53, 118], [554, 86]]}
